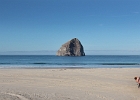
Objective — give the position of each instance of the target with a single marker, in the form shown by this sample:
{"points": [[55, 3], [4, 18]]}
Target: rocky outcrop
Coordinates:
{"points": [[71, 48]]}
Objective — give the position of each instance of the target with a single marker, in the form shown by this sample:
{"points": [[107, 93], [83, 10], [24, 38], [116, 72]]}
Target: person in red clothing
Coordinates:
{"points": [[137, 80]]}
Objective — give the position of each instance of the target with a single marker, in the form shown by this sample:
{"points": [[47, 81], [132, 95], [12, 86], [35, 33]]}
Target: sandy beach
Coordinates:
{"points": [[69, 84]]}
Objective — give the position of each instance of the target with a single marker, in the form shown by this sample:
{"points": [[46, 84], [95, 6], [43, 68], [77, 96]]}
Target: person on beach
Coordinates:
{"points": [[137, 80]]}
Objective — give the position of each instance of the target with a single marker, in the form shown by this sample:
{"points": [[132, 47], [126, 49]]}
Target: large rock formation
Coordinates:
{"points": [[71, 48]]}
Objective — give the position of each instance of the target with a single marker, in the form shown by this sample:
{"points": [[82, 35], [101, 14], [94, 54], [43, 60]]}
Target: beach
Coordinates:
{"points": [[69, 84]]}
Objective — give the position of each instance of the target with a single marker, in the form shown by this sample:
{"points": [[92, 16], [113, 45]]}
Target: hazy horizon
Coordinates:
{"points": [[87, 52]]}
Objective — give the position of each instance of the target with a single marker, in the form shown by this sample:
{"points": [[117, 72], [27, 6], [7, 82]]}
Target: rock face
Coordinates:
{"points": [[71, 48]]}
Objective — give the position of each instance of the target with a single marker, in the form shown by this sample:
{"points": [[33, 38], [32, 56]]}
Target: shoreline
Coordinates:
{"points": [[67, 67], [69, 84], [70, 68]]}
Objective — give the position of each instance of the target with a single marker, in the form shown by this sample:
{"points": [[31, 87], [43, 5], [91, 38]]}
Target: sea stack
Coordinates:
{"points": [[71, 48]]}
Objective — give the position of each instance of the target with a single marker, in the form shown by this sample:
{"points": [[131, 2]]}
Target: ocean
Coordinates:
{"points": [[52, 61]]}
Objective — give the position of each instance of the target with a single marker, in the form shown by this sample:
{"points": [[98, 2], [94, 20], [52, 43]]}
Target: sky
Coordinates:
{"points": [[104, 27]]}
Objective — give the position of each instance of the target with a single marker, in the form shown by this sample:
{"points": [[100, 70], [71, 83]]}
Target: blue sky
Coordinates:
{"points": [[42, 26]]}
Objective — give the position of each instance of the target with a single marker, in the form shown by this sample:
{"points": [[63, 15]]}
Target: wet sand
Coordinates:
{"points": [[69, 84]]}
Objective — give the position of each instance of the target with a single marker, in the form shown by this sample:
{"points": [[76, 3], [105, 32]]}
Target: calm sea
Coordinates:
{"points": [[51, 61]]}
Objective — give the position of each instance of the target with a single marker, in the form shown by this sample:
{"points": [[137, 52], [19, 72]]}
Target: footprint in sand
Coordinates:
{"points": [[16, 95]]}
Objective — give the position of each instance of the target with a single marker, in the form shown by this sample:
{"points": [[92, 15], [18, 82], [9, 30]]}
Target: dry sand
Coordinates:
{"points": [[69, 84]]}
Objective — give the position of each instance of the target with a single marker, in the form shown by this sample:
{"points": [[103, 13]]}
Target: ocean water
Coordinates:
{"points": [[51, 61]]}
